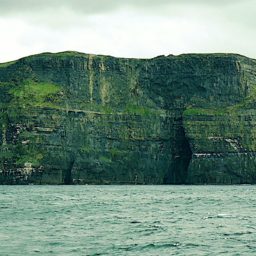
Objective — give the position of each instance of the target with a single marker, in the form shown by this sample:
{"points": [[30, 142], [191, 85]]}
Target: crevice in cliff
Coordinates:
{"points": [[68, 180], [181, 156]]}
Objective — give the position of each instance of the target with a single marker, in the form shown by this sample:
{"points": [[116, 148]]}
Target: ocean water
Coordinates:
{"points": [[127, 220]]}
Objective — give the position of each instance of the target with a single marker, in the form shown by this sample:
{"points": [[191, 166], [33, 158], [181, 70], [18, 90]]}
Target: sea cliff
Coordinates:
{"points": [[74, 118]]}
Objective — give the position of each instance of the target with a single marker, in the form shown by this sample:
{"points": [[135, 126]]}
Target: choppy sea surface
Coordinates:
{"points": [[127, 220]]}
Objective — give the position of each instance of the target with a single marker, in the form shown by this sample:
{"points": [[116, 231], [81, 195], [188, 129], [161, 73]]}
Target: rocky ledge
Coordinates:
{"points": [[74, 118]]}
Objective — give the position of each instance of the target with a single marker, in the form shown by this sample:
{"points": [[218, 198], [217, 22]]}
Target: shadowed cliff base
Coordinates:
{"points": [[68, 180], [181, 157], [73, 118]]}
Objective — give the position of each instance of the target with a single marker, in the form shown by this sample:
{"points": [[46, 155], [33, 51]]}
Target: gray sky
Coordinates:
{"points": [[127, 28]]}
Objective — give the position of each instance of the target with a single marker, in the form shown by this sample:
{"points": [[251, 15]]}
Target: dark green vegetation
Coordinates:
{"points": [[73, 118]]}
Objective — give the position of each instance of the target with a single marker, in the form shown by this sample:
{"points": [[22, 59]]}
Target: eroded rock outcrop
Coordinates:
{"points": [[73, 118]]}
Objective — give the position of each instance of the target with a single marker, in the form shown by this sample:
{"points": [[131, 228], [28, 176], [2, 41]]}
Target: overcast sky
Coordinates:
{"points": [[127, 28]]}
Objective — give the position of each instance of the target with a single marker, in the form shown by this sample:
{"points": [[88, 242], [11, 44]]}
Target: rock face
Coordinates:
{"points": [[73, 118]]}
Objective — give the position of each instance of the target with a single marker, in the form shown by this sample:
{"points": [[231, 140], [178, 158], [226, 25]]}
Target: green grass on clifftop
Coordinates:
{"points": [[35, 94], [248, 102], [6, 64]]}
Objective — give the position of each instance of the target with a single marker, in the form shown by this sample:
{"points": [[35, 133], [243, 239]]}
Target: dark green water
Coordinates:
{"points": [[127, 220]]}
